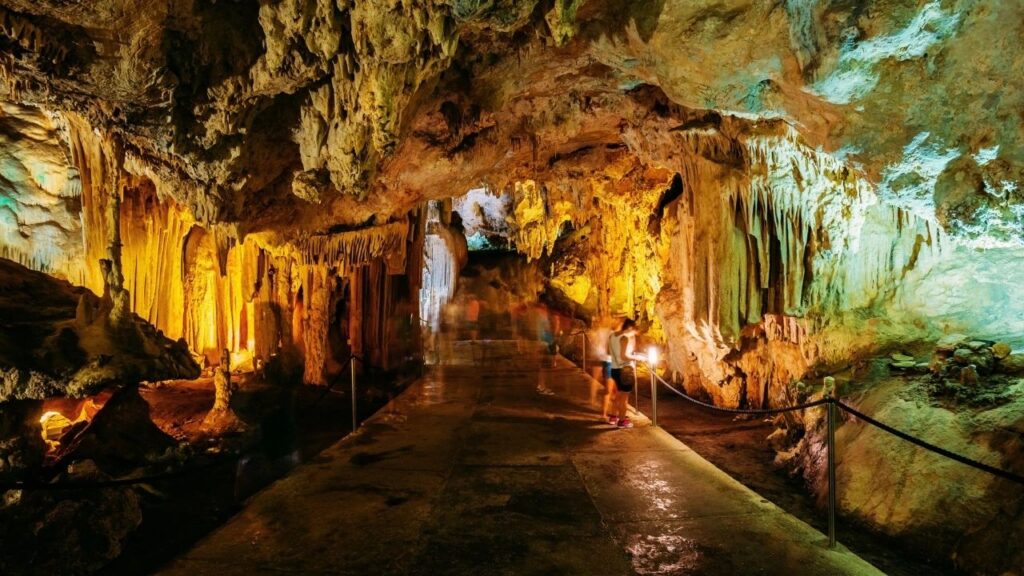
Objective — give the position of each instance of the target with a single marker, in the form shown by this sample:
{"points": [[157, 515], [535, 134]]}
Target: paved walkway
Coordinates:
{"points": [[473, 472]]}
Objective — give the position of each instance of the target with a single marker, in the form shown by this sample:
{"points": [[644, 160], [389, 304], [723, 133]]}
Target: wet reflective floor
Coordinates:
{"points": [[496, 463]]}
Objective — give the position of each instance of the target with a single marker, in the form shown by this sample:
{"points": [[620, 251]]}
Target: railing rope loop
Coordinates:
{"points": [[1005, 474]]}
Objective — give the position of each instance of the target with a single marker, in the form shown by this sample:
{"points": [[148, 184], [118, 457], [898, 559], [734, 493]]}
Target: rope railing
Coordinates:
{"points": [[761, 412], [832, 403], [858, 414], [1005, 474]]}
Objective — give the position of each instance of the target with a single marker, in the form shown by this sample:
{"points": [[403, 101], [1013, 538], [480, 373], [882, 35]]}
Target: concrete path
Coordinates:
{"points": [[473, 472]]}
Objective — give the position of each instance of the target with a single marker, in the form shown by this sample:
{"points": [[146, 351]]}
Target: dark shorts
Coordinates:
{"points": [[606, 369], [623, 379]]}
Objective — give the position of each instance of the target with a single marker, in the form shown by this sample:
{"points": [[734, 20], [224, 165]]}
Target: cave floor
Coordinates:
{"points": [[473, 471]]}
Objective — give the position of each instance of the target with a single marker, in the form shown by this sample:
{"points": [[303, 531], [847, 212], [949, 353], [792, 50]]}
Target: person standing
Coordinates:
{"points": [[621, 349], [602, 371]]}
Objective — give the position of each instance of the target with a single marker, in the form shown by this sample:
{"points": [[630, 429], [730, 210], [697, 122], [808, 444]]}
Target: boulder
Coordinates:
{"points": [[1001, 350], [976, 345], [21, 444], [67, 532], [950, 342], [969, 375], [49, 350], [777, 439], [962, 356], [964, 511], [120, 438], [1013, 363], [982, 359], [901, 358]]}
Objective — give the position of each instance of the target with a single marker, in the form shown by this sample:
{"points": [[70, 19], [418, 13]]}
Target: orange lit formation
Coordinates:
{"points": [[215, 288]]}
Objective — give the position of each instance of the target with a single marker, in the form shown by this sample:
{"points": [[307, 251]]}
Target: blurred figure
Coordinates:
{"points": [[545, 333], [473, 318], [602, 370], [449, 331]]}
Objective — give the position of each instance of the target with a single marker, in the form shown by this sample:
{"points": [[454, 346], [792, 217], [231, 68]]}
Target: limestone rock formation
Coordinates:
{"points": [[50, 347], [330, 100], [74, 535], [925, 500], [777, 190], [221, 419]]}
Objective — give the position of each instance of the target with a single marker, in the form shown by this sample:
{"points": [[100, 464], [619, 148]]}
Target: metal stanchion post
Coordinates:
{"points": [[583, 347], [654, 397], [355, 415], [652, 366], [832, 468], [636, 390]]}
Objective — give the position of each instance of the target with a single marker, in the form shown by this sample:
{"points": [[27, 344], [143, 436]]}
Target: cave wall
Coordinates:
{"points": [[40, 193], [339, 112], [757, 260], [76, 198]]}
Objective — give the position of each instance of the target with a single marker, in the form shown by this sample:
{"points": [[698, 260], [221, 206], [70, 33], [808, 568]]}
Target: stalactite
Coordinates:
{"points": [[768, 256], [153, 235], [93, 159], [620, 265], [347, 248]]}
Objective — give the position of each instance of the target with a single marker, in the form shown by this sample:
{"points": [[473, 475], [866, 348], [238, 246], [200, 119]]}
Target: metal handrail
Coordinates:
{"points": [[351, 363], [583, 346]]}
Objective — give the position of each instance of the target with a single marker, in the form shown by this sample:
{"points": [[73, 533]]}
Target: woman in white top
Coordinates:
{"points": [[622, 355]]}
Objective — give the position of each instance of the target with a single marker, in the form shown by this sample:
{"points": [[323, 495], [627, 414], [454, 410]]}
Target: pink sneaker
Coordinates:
{"points": [[625, 423], [613, 420]]}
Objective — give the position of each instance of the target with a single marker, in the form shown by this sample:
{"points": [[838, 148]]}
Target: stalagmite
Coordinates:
{"points": [[222, 383], [221, 419]]}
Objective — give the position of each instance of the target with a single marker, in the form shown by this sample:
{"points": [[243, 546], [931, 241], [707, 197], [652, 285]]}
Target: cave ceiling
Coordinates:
{"points": [[306, 116]]}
